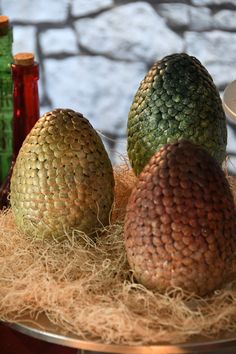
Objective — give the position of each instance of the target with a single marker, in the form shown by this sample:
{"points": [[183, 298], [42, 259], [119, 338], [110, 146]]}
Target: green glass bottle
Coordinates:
{"points": [[6, 97], [25, 74]]}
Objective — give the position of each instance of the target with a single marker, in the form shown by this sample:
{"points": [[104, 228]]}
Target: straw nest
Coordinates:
{"points": [[86, 287]]}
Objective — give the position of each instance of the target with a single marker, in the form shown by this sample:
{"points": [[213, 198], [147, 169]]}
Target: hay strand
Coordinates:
{"points": [[86, 287]]}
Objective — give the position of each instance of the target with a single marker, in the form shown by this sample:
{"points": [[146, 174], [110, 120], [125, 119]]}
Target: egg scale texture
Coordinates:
{"points": [[62, 178], [176, 100], [180, 221]]}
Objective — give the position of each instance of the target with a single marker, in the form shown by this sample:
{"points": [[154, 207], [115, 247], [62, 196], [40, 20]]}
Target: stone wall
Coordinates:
{"points": [[93, 53]]}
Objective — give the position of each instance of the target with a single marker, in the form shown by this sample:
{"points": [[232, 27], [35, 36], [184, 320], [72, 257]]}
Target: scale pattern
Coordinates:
{"points": [[177, 99], [180, 224], [62, 177]]}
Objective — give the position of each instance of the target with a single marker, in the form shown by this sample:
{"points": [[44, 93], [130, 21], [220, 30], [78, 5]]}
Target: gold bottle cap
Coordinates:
{"points": [[4, 22], [23, 59], [4, 25]]}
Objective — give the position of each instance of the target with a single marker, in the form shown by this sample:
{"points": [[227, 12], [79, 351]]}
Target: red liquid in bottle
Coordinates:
{"points": [[25, 74]]}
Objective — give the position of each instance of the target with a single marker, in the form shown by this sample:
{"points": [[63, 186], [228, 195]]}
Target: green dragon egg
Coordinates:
{"points": [[176, 100], [63, 178]]}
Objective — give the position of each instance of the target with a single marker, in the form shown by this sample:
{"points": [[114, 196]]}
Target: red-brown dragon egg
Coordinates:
{"points": [[180, 228]]}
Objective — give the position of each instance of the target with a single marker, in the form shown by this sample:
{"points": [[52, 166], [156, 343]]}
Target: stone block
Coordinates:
{"points": [[182, 15], [20, 33], [213, 46], [99, 88], [58, 41], [225, 19], [176, 15], [33, 11], [129, 32], [222, 73], [212, 2], [200, 19], [87, 7]]}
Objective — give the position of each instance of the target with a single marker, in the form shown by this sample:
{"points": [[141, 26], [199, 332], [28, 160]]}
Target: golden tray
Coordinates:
{"points": [[43, 329]]}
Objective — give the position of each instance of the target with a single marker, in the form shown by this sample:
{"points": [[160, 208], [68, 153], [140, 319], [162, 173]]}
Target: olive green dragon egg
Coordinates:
{"points": [[62, 178], [180, 225], [177, 99]]}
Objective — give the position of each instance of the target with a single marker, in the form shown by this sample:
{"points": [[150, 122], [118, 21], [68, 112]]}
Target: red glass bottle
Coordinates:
{"points": [[25, 74]]}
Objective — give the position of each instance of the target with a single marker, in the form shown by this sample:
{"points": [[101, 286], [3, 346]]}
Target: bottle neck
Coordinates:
{"points": [[25, 102], [6, 108], [6, 39]]}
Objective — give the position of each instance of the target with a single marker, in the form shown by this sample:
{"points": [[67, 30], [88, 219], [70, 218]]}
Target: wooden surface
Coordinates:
{"points": [[13, 342]]}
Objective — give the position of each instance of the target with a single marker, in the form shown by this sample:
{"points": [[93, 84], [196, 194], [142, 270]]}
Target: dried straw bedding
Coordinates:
{"points": [[86, 287]]}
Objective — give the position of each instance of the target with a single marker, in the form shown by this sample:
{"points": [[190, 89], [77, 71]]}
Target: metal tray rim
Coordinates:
{"points": [[44, 330]]}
